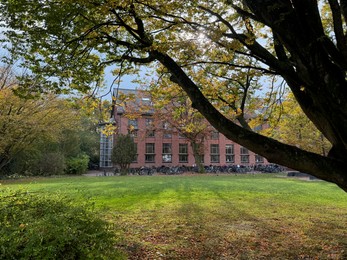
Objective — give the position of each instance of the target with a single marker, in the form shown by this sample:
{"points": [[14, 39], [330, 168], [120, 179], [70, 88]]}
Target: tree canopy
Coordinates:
{"points": [[172, 107], [25, 122], [208, 48], [44, 134]]}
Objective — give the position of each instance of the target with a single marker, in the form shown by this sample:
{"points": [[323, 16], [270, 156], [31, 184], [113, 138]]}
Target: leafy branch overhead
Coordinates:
{"points": [[219, 53]]}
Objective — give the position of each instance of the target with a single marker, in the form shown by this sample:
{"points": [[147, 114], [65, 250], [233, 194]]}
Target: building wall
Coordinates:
{"points": [[159, 140]]}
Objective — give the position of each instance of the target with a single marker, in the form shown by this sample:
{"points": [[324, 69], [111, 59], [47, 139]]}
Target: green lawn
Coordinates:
{"points": [[213, 217]]}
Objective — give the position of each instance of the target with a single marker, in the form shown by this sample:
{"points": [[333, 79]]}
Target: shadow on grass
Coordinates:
{"points": [[244, 226], [216, 217]]}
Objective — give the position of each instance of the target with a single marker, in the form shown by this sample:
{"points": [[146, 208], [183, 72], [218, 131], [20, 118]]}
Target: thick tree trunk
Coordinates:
{"points": [[196, 147]]}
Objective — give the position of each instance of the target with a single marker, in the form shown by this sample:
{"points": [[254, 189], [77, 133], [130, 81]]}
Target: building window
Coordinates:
{"points": [[259, 159], [167, 153], [150, 127], [133, 133], [244, 153], [167, 134], [146, 101], [135, 159], [181, 136], [166, 126], [202, 158], [183, 153], [106, 146], [149, 123], [133, 123], [215, 135], [150, 133], [167, 131], [133, 127], [150, 152], [214, 152], [229, 153]]}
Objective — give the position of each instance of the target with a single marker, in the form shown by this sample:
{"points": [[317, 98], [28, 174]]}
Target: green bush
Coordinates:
{"points": [[77, 165], [52, 163], [40, 226], [34, 162]]}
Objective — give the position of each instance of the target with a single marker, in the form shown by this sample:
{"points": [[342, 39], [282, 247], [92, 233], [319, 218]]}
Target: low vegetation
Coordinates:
{"points": [[51, 226], [258, 216]]}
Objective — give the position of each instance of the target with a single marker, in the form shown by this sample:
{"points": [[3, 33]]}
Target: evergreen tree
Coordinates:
{"points": [[124, 152]]}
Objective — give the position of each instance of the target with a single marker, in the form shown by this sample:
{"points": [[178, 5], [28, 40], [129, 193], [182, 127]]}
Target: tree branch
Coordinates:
{"points": [[271, 149], [263, 70], [338, 27]]}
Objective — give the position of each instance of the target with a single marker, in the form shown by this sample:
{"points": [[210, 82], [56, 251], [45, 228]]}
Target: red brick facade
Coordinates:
{"points": [[156, 147]]}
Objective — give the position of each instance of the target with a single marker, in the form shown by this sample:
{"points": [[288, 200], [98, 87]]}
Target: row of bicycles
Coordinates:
{"points": [[232, 169]]}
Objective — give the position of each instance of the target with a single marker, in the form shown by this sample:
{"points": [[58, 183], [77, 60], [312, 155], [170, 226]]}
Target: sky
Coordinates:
{"points": [[126, 80]]}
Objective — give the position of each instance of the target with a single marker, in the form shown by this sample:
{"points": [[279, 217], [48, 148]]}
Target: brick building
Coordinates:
{"points": [[160, 146]]}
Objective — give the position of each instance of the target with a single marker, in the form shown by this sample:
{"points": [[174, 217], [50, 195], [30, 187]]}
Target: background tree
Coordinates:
{"points": [[287, 123], [172, 107], [42, 135], [302, 42], [92, 112], [124, 152], [23, 122]]}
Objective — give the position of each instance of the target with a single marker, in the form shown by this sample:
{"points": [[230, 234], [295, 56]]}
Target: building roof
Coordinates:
{"points": [[139, 101]]}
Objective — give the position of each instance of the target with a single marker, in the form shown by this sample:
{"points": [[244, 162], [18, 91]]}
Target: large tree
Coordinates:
{"points": [[24, 122], [37, 134], [301, 41]]}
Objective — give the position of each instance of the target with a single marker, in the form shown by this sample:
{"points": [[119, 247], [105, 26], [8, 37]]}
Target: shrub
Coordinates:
{"points": [[42, 226], [77, 165], [52, 163], [26, 163]]}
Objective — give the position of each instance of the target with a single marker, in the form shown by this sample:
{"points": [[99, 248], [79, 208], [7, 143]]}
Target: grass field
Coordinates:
{"points": [[213, 217]]}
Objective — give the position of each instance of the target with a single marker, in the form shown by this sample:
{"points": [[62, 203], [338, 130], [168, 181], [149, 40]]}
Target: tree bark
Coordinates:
{"points": [[196, 147]]}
